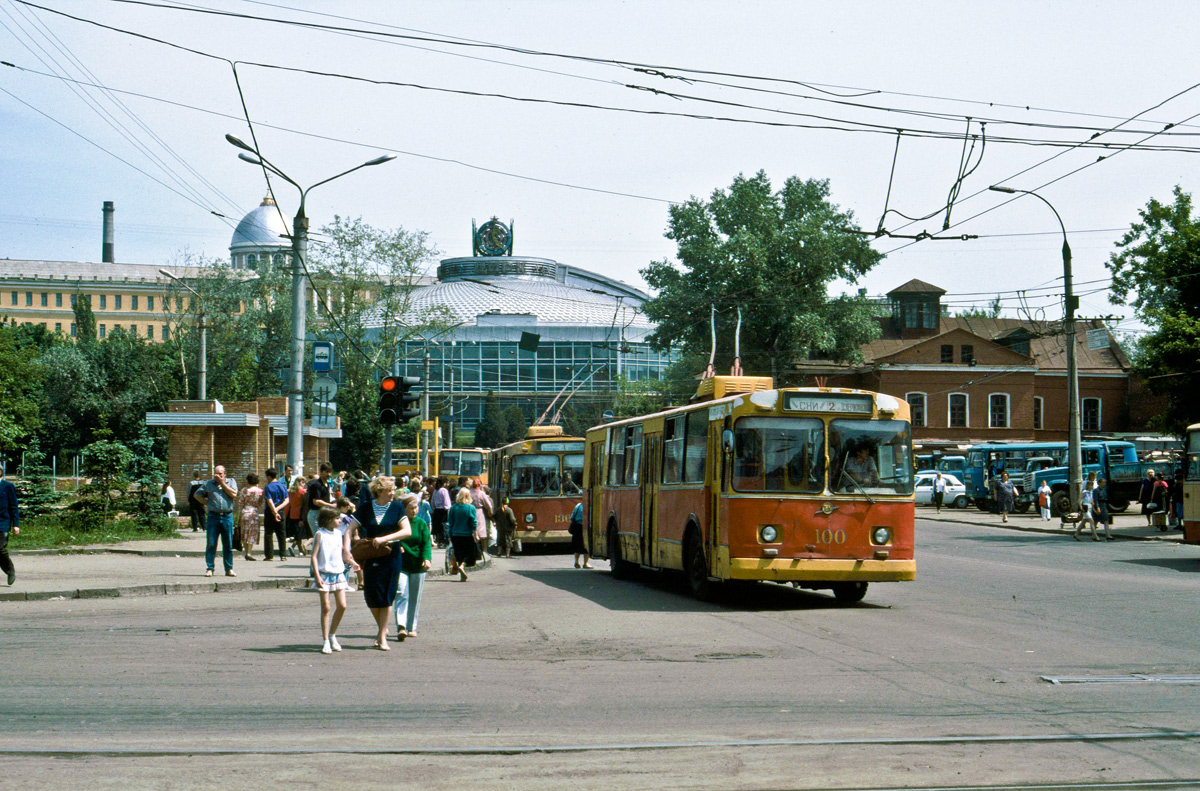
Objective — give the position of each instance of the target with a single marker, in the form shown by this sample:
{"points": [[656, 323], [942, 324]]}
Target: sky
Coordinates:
{"points": [[592, 187]]}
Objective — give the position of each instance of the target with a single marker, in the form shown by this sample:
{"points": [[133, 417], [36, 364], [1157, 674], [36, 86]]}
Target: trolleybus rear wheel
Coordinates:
{"points": [[701, 586], [849, 592], [620, 569]]}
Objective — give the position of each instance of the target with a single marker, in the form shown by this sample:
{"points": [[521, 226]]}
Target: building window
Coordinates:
{"points": [[252, 261], [958, 410], [58, 326], [73, 298], [998, 410], [45, 300], [14, 298], [133, 302], [116, 302], [150, 331], [103, 301], [278, 259], [29, 299], [947, 353], [1038, 406], [916, 407], [1091, 414], [967, 354], [164, 335], [58, 300], [178, 304], [103, 330], [149, 303], [72, 329]]}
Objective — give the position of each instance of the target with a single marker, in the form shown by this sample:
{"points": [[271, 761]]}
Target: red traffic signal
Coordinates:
{"points": [[396, 400]]}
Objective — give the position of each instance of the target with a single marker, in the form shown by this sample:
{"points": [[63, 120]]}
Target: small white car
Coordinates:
{"points": [[956, 492]]}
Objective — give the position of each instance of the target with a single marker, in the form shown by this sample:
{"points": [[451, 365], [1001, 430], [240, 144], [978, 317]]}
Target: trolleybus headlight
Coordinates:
{"points": [[881, 535], [528, 517], [768, 534]]}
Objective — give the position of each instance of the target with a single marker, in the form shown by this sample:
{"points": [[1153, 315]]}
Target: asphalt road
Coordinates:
{"points": [[532, 656]]}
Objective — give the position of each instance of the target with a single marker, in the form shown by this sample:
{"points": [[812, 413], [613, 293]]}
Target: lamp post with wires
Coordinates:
{"points": [[1071, 304], [295, 441]]}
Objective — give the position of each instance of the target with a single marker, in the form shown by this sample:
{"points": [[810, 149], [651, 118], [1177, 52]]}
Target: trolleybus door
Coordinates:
{"points": [[594, 494], [651, 445]]}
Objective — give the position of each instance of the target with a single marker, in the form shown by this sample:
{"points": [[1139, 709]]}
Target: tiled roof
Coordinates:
{"points": [[1047, 345], [915, 286]]}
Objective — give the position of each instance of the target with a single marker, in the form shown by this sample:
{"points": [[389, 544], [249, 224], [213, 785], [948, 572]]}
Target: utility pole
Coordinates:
{"points": [[426, 434]]}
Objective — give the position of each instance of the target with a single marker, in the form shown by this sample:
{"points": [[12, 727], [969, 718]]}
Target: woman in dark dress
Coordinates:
{"points": [[462, 525], [382, 520]]}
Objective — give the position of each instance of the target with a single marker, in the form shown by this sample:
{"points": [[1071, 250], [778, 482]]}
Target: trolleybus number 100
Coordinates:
{"points": [[828, 536]]}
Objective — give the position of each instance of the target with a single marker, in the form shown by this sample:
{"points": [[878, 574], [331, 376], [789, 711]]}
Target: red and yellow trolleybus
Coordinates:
{"points": [[542, 475], [1191, 485], [812, 486]]}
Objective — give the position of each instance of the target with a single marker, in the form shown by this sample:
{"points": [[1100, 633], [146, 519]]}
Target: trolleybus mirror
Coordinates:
{"points": [[727, 440]]}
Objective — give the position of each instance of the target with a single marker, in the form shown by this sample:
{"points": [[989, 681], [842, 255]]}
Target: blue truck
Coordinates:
{"points": [[989, 459], [1115, 461]]}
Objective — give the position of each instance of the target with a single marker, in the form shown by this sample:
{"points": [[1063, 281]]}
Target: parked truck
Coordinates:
{"points": [[1116, 462]]}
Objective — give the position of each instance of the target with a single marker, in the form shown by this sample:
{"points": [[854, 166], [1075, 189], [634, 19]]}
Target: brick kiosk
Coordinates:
{"points": [[243, 436]]}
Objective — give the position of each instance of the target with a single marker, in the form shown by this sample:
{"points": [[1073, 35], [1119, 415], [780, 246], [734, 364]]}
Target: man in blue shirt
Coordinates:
{"points": [[218, 496], [275, 495], [10, 518]]}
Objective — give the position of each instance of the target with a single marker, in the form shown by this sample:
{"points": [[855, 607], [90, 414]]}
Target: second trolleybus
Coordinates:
{"points": [[542, 475], [812, 486]]}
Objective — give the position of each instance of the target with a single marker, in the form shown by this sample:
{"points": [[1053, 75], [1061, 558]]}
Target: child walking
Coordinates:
{"points": [[330, 556]]}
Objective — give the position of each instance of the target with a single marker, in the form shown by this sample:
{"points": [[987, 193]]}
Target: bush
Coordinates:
{"points": [[70, 527]]}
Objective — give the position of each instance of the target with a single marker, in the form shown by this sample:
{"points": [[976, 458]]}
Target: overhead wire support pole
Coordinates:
{"points": [[295, 435], [1071, 304]]}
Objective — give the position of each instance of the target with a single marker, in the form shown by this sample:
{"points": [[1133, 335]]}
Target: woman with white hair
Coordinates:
{"points": [[382, 520]]}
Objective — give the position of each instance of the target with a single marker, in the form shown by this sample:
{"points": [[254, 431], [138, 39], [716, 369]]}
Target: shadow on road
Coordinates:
{"points": [[1186, 565], [651, 591], [1013, 538]]}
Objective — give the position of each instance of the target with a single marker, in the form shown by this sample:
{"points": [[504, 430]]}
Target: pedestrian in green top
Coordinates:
{"points": [[414, 562]]}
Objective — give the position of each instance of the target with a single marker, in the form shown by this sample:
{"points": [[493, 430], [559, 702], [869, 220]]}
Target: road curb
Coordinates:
{"points": [[1056, 531], [177, 588]]}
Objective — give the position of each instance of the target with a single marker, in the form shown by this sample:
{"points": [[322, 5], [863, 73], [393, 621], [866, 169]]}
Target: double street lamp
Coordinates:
{"points": [[295, 441], [1074, 454]]}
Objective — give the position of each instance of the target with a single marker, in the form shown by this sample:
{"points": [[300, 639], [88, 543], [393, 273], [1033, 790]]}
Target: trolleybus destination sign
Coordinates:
{"points": [[829, 402]]}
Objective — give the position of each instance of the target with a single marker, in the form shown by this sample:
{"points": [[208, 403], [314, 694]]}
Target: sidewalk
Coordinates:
{"points": [[1126, 527], [152, 568]]}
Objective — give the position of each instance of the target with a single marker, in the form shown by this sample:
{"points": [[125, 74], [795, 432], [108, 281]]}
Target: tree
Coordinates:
{"points": [[773, 254], [368, 276], [1157, 271], [20, 389], [992, 311], [85, 319], [515, 427], [106, 463], [493, 426]]}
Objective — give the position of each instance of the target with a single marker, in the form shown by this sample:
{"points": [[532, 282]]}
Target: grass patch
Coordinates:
{"points": [[53, 531]]}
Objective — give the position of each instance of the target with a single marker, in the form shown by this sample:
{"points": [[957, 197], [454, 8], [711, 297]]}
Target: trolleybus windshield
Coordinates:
{"points": [[535, 474], [457, 462], [779, 455], [871, 456], [572, 473]]}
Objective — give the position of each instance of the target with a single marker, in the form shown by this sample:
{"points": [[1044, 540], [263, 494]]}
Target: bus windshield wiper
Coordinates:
{"points": [[850, 478]]}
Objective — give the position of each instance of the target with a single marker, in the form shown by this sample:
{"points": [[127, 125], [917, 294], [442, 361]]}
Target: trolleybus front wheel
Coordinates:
{"points": [[849, 592]]}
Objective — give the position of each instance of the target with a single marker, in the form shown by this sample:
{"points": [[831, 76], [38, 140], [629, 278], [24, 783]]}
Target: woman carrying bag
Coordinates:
{"points": [[383, 521]]}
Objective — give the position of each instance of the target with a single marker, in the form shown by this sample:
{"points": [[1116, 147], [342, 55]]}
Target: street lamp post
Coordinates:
{"points": [[295, 442], [203, 384], [1074, 454]]}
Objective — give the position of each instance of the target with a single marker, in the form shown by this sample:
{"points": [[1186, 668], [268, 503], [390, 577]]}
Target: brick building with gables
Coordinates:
{"points": [[970, 379]]}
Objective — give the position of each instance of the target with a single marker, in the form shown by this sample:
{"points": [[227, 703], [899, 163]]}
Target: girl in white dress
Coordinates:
{"points": [[330, 557]]}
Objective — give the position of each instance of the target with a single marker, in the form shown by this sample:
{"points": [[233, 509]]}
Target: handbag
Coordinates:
{"points": [[364, 549]]}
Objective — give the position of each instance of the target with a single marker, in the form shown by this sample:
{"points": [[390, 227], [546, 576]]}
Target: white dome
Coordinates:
{"points": [[262, 229]]}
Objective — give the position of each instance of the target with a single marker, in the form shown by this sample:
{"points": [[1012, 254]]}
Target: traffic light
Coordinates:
{"points": [[397, 404]]}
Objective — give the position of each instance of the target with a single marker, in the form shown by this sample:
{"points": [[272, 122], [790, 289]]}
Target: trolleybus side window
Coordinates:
{"points": [[633, 454], [779, 455], [535, 473], [1193, 456], [872, 456], [696, 452], [572, 473], [672, 471], [616, 456]]}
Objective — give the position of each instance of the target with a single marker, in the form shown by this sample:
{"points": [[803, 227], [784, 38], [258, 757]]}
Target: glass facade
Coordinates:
{"points": [[462, 373]]}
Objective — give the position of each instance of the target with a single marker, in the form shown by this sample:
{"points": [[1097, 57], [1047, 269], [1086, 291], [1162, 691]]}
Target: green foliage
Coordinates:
{"points": [[38, 493], [106, 463], [74, 528], [493, 426], [371, 275], [515, 426], [85, 319], [149, 472], [992, 311], [1157, 271], [774, 255], [20, 387]]}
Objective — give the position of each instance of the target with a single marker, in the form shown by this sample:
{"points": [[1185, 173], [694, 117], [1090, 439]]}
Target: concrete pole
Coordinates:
{"points": [[425, 434], [1075, 452], [203, 395], [295, 439]]}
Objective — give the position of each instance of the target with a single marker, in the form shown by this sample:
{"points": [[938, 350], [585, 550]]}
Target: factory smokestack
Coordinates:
{"points": [[106, 254]]}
